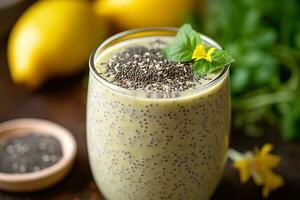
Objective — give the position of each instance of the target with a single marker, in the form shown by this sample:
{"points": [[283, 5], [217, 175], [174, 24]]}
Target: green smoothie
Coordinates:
{"points": [[148, 140]]}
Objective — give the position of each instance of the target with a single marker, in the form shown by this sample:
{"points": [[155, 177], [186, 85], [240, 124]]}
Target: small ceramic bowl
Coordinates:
{"points": [[33, 181]]}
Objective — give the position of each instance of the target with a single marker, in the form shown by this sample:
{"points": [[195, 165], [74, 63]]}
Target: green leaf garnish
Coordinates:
{"points": [[220, 58], [187, 46], [182, 48]]}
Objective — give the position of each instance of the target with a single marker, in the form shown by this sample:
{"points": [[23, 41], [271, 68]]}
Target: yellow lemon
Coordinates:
{"points": [[53, 38], [127, 14]]}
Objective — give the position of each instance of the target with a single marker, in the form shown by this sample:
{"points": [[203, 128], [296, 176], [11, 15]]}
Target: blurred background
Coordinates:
{"points": [[44, 50]]}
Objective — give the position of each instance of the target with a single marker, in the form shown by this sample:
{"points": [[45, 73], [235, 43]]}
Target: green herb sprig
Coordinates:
{"points": [[188, 47]]}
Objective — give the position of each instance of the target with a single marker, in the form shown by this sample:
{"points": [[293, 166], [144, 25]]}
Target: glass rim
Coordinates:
{"points": [[201, 88]]}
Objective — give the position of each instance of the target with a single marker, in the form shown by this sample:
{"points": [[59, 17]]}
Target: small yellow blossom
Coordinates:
{"points": [[200, 53], [259, 165]]}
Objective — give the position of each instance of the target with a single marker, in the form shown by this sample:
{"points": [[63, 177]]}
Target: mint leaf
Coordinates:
{"points": [[182, 48], [220, 58], [202, 67]]}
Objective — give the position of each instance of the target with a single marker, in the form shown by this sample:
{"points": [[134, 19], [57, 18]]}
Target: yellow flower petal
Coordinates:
{"points": [[272, 182], [267, 162], [266, 149], [265, 192], [200, 53], [211, 51], [208, 58], [258, 179], [259, 165], [271, 161], [243, 167]]}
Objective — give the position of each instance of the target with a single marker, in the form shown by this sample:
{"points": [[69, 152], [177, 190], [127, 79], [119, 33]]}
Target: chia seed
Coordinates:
{"points": [[29, 153]]}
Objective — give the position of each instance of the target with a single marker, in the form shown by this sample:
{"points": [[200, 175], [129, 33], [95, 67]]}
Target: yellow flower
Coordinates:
{"points": [[200, 53], [259, 165]]}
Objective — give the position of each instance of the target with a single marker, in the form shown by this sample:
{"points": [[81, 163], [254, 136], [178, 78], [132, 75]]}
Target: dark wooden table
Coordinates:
{"points": [[63, 101]]}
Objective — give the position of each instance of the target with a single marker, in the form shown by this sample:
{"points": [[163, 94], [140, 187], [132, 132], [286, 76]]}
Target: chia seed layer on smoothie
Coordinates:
{"points": [[142, 66]]}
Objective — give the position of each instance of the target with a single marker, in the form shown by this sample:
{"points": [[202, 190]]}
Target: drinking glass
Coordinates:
{"points": [[146, 148]]}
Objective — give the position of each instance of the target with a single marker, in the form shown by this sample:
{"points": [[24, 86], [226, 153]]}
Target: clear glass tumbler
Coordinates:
{"points": [[144, 148]]}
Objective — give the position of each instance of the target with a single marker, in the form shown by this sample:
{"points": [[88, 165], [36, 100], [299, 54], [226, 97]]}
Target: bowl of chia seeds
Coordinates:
{"points": [[34, 154]]}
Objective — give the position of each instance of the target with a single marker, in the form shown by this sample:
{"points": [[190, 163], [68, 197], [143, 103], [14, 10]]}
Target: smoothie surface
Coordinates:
{"points": [[138, 64]]}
